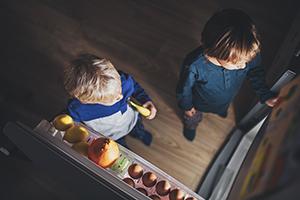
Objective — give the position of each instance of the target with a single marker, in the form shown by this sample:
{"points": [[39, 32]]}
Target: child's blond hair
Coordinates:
{"points": [[91, 79], [230, 35]]}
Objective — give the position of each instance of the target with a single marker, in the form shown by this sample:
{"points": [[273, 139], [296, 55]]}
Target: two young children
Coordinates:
{"points": [[209, 80]]}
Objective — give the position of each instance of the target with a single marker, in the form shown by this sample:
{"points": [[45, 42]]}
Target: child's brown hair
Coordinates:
{"points": [[230, 35], [92, 80]]}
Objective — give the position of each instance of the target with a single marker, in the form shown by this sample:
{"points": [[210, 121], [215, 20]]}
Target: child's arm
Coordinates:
{"points": [[139, 93], [256, 75], [184, 87], [142, 97]]}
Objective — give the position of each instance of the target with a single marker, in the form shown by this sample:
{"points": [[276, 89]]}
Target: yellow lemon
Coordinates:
{"points": [[63, 122], [81, 147], [76, 134]]}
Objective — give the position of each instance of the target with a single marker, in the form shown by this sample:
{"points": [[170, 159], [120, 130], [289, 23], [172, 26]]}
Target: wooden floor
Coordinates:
{"points": [[147, 39]]}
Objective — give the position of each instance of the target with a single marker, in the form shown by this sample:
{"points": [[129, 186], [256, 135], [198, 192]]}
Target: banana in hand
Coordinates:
{"points": [[142, 110]]}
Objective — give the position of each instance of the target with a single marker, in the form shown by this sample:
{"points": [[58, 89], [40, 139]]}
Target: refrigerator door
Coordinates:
{"points": [[81, 178], [220, 175], [223, 187], [46, 147], [271, 168]]}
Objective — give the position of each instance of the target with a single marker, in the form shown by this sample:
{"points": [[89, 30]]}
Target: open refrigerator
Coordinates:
{"points": [[83, 178], [226, 178]]}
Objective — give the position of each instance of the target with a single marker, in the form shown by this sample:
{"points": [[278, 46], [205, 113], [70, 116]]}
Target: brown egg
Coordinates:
{"points": [[163, 188], [129, 181], [149, 179], [176, 194], [190, 198], [154, 197], [135, 171], [142, 190]]}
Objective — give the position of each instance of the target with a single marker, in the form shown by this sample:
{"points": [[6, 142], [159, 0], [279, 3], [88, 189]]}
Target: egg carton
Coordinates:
{"points": [[160, 177]]}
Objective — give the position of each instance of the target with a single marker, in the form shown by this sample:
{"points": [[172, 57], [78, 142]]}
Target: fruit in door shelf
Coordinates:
{"points": [[63, 122], [81, 147], [104, 152], [76, 134]]}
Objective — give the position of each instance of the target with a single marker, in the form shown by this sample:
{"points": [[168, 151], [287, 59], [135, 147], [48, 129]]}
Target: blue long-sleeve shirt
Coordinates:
{"points": [[211, 88]]}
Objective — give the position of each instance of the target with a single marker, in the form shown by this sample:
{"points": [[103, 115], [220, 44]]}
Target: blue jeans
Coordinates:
{"points": [[138, 131]]}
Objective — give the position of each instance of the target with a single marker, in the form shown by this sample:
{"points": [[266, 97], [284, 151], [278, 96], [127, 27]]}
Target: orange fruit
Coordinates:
{"points": [[104, 152]]}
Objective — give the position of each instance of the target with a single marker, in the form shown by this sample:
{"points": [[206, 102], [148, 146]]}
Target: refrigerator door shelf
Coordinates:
{"points": [[47, 130]]}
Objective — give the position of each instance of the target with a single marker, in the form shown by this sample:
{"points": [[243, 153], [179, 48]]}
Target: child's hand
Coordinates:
{"points": [[152, 109], [272, 102], [190, 113]]}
